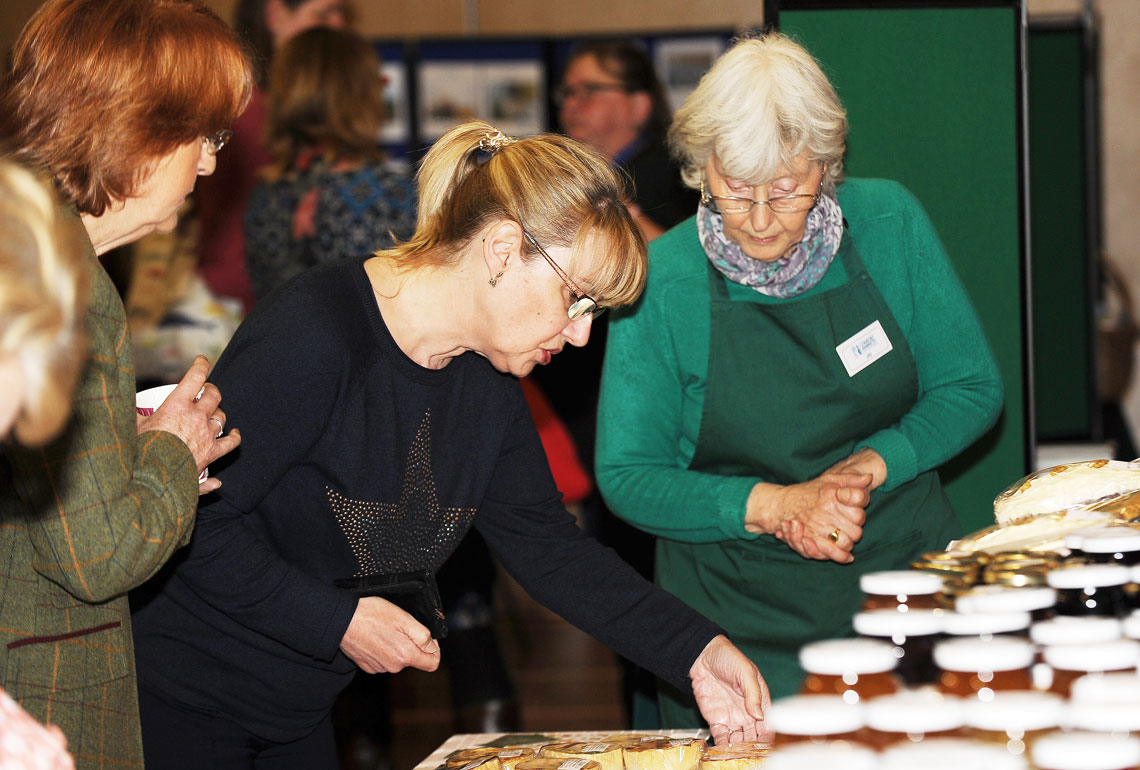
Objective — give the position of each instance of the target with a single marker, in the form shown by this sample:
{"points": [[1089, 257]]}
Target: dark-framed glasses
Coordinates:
{"points": [[584, 91], [584, 304], [217, 141], [734, 205]]}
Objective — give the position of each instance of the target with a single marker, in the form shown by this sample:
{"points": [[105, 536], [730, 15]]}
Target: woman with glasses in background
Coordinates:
{"points": [[382, 419], [804, 357], [122, 104]]}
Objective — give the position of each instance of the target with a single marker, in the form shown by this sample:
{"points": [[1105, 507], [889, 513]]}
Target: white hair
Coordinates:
{"points": [[764, 103]]}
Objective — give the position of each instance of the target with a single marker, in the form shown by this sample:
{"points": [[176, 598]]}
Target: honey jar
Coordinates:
{"points": [[900, 590], [987, 625], [912, 635], [978, 668], [1090, 589], [1014, 719], [813, 756], [949, 754], [1122, 687], [1109, 545], [815, 719], [1075, 630], [855, 669], [914, 715], [1038, 601], [1083, 750], [1132, 625], [1072, 661], [1121, 719]]}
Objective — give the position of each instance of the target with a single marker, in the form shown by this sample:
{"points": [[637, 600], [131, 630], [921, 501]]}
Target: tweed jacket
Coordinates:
{"points": [[82, 521]]}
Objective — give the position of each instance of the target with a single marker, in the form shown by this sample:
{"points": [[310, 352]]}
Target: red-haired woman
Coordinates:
{"points": [[123, 104]]}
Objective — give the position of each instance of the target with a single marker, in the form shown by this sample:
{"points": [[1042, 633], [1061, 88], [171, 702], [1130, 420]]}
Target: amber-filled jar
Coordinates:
{"points": [[1081, 750], [1038, 601], [1013, 720], [914, 715], [900, 590], [912, 635], [815, 719], [1123, 687], [987, 625], [979, 668], [1073, 661], [855, 669], [813, 756], [1091, 589], [943, 753], [1120, 718]]}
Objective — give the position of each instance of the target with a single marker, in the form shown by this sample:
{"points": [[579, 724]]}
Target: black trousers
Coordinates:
{"points": [[177, 738]]}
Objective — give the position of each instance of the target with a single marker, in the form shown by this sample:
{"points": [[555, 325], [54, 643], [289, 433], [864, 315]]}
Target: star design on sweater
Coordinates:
{"points": [[415, 532]]}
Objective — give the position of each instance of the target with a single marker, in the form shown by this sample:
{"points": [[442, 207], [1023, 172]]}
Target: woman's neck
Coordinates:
{"points": [[427, 311]]}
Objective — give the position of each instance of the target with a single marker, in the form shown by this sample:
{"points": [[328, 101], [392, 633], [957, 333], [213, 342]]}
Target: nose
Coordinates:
{"points": [[760, 216], [206, 162], [577, 332]]}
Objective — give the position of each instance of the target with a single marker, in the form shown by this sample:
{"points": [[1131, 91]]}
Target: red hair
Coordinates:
{"points": [[101, 89]]}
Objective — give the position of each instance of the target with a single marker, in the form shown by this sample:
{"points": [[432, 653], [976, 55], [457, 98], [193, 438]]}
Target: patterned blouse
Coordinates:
{"points": [[318, 213]]}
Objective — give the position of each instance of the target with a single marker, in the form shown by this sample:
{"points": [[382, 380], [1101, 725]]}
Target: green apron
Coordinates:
{"points": [[779, 405]]}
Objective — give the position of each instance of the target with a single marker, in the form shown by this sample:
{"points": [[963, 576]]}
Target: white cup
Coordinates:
{"points": [[147, 401]]}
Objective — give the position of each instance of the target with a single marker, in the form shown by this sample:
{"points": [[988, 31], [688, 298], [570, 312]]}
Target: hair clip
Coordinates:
{"points": [[493, 141]]}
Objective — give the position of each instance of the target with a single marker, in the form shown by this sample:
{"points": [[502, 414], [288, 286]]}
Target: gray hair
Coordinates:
{"points": [[762, 104]]}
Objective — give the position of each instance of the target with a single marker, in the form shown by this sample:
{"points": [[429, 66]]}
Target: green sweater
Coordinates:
{"points": [[653, 382]]}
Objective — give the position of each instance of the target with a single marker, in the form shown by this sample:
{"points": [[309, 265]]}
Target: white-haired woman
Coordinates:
{"points": [[381, 424], [802, 360]]}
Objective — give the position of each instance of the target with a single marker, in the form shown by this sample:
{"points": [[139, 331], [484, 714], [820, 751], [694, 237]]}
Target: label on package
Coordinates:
{"points": [[574, 764], [863, 348], [595, 748], [510, 754]]}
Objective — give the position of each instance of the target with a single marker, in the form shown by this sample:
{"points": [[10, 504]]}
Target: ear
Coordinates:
{"points": [[642, 107], [502, 246]]}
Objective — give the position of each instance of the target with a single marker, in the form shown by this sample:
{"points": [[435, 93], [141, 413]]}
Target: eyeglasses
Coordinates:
{"points": [[217, 141], [733, 205], [584, 91], [585, 304]]}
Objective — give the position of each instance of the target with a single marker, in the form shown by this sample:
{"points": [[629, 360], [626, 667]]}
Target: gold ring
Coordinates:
{"points": [[834, 536]]}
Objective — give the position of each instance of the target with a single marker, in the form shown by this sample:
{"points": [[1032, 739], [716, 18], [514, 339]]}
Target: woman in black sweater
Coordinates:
{"points": [[382, 418]]}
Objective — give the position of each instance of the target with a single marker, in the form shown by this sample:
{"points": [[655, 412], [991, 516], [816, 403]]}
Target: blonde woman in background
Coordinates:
{"points": [[383, 419], [43, 286]]}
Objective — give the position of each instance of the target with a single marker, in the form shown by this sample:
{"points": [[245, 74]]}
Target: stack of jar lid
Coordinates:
{"points": [[1007, 661]]}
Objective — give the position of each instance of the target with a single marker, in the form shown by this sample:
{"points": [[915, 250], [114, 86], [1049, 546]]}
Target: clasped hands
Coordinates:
{"points": [[821, 518]]}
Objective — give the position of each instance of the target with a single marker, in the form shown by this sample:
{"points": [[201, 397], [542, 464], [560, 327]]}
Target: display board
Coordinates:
{"points": [[934, 93], [1063, 182]]}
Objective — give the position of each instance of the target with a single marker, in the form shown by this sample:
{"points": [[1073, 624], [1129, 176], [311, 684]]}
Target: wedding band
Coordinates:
{"points": [[834, 536], [221, 428]]}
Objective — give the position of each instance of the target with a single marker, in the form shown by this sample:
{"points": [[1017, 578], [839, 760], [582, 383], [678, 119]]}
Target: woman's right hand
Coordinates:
{"points": [[805, 515], [383, 638], [198, 422]]}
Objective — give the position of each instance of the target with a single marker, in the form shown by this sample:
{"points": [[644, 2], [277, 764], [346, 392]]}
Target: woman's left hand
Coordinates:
{"points": [[730, 692], [866, 460]]}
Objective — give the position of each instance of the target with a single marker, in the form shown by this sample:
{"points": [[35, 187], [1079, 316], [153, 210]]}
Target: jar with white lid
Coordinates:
{"points": [[1081, 750], [900, 590], [912, 635], [1120, 687], [914, 715], [1090, 589], [1109, 545], [855, 669], [1076, 630], [949, 754], [1038, 601], [1131, 625], [979, 668], [1013, 720], [1120, 719], [1072, 661], [987, 625], [815, 719], [813, 756]]}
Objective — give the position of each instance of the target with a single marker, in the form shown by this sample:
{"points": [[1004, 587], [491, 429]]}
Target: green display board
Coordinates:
{"points": [[933, 93], [1063, 227]]}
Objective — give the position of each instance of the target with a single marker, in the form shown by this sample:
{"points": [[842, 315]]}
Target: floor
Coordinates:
{"points": [[565, 681]]}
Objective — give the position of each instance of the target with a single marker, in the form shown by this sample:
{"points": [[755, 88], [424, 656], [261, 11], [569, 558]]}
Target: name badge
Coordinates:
{"points": [[863, 348]]}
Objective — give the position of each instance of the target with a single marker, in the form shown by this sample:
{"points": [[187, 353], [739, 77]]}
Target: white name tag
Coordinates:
{"points": [[863, 348]]}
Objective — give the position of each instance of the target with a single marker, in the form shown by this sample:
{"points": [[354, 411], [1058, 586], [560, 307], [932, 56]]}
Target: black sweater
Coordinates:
{"points": [[355, 460]]}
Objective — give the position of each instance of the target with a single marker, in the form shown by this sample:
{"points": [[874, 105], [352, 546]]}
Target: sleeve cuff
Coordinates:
{"points": [[897, 452], [341, 615], [731, 503]]}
